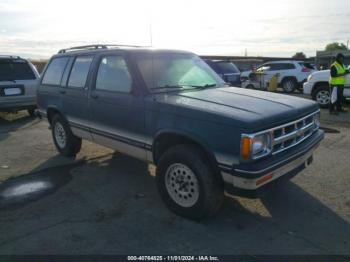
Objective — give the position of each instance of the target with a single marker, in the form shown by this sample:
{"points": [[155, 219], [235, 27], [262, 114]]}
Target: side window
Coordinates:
{"points": [[282, 66], [113, 75], [80, 71], [54, 71], [288, 66]]}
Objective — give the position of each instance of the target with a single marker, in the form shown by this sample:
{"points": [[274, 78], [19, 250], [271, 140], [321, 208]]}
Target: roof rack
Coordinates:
{"points": [[97, 46], [10, 57]]}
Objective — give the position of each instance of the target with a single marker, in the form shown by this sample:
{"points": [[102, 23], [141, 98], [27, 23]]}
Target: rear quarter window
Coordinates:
{"points": [[54, 71]]}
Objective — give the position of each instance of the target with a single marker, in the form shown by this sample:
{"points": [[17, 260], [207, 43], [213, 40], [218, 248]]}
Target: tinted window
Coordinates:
{"points": [[80, 71], [307, 65], [53, 74], [264, 67], [282, 66], [15, 70], [113, 75], [226, 68]]}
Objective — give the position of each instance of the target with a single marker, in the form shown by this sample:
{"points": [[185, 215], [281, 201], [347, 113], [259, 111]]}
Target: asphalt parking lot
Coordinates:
{"points": [[106, 203]]}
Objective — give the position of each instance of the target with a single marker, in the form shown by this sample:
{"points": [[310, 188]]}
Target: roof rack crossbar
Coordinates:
{"points": [[98, 46]]}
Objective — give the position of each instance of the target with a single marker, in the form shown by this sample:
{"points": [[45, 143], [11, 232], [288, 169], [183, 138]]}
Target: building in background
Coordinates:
{"points": [[324, 59]]}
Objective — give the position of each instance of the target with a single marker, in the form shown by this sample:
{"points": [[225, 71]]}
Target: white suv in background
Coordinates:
{"points": [[291, 74], [317, 86], [18, 83]]}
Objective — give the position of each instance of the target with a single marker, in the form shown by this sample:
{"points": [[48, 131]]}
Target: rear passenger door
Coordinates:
{"points": [[116, 108], [49, 94], [75, 91]]}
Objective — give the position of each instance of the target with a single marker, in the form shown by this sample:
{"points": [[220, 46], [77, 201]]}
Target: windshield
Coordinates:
{"points": [[11, 70], [176, 70], [227, 68]]}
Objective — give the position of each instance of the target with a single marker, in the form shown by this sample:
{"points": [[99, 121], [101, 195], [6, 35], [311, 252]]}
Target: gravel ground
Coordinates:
{"points": [[106, 203]]}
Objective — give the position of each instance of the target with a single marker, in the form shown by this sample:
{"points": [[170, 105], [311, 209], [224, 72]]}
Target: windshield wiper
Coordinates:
{"points": [[168, 86], [204, 86]]}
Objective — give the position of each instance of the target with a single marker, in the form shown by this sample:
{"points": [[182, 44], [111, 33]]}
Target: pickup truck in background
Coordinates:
{"points": [[317, 86]]}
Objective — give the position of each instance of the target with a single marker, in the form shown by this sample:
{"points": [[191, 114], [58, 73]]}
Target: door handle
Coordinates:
{"points": [[94, 96], [63, 92]]}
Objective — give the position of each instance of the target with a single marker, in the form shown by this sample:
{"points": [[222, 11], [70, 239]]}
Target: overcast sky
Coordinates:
{"points": [[37, 29]]}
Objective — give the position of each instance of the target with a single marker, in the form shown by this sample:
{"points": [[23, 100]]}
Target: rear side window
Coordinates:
{"points": [[307, 65], [80, 71], [15, 70], [227, 68], [282, 66], [113, 75], [54, 71]]}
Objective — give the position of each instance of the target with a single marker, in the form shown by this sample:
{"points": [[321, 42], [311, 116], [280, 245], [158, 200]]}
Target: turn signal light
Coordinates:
{"points": [[246, 145]]}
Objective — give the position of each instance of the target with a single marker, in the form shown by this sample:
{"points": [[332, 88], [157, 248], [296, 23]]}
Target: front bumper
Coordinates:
{"points": [[307, 88], [257, 179]]}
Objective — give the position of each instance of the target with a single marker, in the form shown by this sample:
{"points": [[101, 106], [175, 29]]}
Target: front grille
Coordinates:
{"points": [[293, 133]]}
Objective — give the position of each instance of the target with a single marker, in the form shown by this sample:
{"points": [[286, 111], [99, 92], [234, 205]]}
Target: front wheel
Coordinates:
{"points": [[289, 85], [187, 183], [65, 141], [322, 96]]}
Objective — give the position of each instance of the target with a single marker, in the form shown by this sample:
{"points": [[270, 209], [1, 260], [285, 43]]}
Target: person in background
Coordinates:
{"points": [[337, 79]]}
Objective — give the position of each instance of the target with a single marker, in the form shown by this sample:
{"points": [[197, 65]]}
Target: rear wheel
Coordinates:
{"points": [[66, 143], [187, 183], [289, 85], [322, 96]]}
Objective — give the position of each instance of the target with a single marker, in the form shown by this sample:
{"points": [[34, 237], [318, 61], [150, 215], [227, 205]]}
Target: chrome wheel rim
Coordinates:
{"points": [[60, 135], [182, 185], [323, 97], [288, 86]]}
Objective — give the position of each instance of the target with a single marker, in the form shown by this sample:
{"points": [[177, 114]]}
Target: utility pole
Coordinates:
{"points": [[246, 53]]}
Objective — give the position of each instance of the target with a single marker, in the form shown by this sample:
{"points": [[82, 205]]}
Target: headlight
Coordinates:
{"points": [[309, 78], [255, 146]]}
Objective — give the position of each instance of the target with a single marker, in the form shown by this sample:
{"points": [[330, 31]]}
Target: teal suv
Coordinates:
{"points": [[170, 108]]}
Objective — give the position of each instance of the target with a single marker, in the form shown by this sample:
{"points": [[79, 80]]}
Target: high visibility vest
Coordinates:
{"points": [[340, 80]]}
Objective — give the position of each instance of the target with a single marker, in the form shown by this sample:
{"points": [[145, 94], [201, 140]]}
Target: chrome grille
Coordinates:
{"points": [[293, 133]]}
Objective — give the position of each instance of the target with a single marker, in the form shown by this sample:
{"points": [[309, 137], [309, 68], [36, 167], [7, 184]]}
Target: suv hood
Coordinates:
{"points": [[245, 108]]}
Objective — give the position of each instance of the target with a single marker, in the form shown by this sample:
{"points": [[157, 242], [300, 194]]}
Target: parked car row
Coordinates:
{"points": [[18, 78]]}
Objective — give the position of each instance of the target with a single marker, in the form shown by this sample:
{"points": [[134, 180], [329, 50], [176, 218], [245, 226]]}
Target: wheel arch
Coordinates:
{"points": [[285, 78], [167, 138], [317, 86], [51, 111]]}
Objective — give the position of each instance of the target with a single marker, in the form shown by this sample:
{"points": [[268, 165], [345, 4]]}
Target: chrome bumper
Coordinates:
{"points": [[257, 182]]}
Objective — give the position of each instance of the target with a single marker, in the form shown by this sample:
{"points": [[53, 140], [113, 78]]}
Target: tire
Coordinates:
{"points": [[66, 143], [31, 112], [289, 85], [322, 96], [187, 183]]}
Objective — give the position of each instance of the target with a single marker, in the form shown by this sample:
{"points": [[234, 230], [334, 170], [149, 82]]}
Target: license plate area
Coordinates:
{"points": [[12, 90]]}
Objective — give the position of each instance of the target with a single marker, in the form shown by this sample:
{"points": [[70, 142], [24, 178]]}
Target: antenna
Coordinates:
{"points": [[150, 33]]}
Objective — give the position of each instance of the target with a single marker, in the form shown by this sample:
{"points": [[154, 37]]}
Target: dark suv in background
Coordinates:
{"points": [[171, 109], [18, 83], [227, 70]]}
